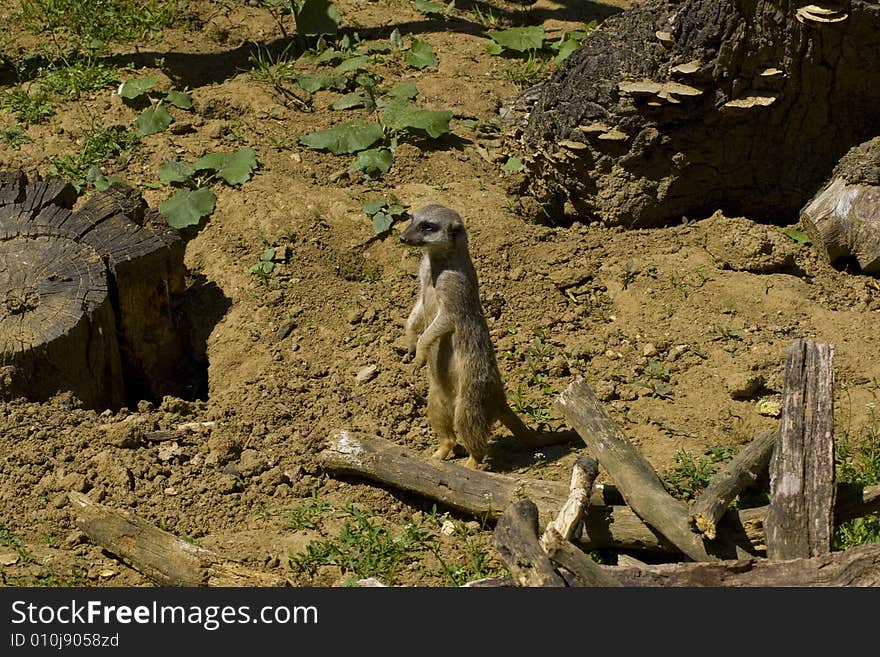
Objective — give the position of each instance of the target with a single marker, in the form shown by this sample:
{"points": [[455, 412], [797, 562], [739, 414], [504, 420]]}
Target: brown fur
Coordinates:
{"points": [[447, 330]]}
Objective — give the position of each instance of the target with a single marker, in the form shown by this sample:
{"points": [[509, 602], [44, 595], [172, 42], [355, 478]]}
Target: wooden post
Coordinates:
{"points": [[800, 521]]}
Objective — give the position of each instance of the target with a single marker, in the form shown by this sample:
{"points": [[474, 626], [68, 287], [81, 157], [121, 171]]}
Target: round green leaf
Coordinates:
{"points": [[373, 159], [187, 207], [235, 168], [401, 115], [316, 17], [421, 55], [175, 172], [520, 39], [349, 137], [179, 99], [382, 223], [132, 89], [153, 120]]}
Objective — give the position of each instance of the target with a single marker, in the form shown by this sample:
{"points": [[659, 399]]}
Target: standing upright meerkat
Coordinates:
{"points": [[447, 330]]}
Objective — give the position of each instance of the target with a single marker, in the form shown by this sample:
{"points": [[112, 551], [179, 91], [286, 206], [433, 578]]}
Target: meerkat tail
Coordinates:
{"points": [[517, 427]]}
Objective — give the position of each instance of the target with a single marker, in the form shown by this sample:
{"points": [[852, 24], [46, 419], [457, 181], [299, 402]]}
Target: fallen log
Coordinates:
{"points": [[159, 555], [633, 474], [858, 566], [742, 471], [800, 522], [486, 494], [516, 539]]}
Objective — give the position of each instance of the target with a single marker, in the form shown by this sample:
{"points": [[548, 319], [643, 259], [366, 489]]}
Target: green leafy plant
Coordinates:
{"points": [[14, 137], [194, 200], [513, 165], [99, 144], [28, 109], [305, 516], [383, 214], [69, 78], [421, 55], [798, 236], [691, 475], [516, 39], [154, 118], [90, 26], [364, 547], [858, 462], [430, 8], [374, 143], [265, 266]]}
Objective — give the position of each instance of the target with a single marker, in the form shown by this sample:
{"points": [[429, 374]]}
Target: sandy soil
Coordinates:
{"points": [[683, 330]]}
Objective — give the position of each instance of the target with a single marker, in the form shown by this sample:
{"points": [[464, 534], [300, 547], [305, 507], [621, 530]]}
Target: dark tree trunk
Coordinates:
{"points": [[86, 296], [681, 108]]}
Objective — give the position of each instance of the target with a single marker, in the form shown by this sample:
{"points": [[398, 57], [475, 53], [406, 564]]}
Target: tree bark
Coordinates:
{"points": [[516, 539], [742, 471], [87, 296], [633, 474], [159, 555], [800, 522], [674, 109], [858, 566], [843, 218]]}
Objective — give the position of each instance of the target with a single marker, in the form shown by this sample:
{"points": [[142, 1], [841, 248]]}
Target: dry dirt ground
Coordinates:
{"points": [[682, 330]]}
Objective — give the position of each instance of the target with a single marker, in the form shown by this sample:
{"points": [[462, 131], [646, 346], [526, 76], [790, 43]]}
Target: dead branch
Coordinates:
{"points": [[159, 555], [486, 494], [736, 476], [583, 474], [586, 571]]}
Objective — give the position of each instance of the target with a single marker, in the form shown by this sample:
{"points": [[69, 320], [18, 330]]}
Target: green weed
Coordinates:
{"points": [[859, 464], [688, 479], [70, 79], [364, 548], [99, 144], [14, 137], [28, 109]]}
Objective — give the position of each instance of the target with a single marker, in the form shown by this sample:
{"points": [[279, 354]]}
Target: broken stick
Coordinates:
{"points": [[159, 555], [583, 474], [586, 571], [742, 471]]}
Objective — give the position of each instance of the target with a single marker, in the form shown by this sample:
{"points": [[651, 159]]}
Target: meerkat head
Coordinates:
{"points": [[435, 227]]}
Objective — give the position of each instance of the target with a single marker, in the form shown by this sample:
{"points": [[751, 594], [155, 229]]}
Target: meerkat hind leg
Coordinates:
{"points": [[440, 417]]}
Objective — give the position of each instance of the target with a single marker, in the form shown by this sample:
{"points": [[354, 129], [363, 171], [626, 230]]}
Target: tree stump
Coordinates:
{"points": [[843, 218], [674, 109], [86, 296]]}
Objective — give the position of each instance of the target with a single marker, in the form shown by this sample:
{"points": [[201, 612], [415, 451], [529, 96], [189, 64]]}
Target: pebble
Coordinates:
{"points": [[366, 373], [354, 316], [649, 350]]}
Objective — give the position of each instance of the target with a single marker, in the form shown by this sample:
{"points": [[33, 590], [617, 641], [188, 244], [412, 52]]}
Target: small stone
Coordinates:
{"points": [[354, 316], [447, 528], [769, 407], [8, 558], [472, 526], [366, 373], [676, 352], [744, 385], [516, 274], [251, 463], [171, 490], [107, 573], [649, 350], [606, 391]]}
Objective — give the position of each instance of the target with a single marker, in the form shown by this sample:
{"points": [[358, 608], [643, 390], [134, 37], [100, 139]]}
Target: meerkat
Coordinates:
{"points": [[447, 331]]}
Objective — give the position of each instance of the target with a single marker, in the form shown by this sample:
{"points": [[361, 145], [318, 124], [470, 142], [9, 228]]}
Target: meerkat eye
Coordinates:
{"points": [[428, 227]]}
